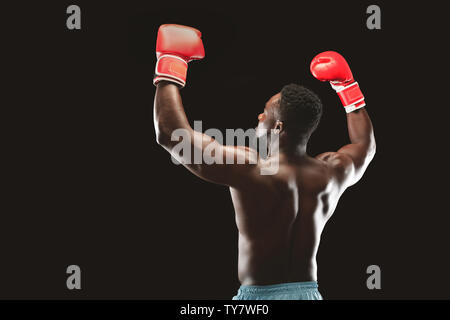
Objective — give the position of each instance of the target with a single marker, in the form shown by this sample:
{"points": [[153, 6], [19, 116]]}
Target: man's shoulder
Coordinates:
{"points": [[333, 159], [340, 165]]}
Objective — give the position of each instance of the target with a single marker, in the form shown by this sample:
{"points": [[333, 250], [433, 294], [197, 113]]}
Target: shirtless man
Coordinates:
{"points": [[280, 217]]}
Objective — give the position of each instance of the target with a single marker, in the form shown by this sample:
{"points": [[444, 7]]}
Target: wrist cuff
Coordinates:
{"points": [[355, 106], [351, 96], [157, 79], [171, 68]]}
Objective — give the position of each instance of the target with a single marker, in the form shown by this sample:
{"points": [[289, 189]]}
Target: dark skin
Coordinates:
{"points": [[280, 217]]}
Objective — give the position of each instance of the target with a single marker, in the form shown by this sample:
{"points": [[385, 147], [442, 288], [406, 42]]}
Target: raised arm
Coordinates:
{"points": [[227, 165], [169, 116], [349, 162]]}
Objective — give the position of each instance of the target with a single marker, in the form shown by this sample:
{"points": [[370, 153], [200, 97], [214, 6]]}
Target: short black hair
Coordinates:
{"points": [[300, 110]]}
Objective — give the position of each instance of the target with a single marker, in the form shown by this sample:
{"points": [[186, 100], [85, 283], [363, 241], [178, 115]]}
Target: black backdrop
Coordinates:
{"points": [[86, 183]]}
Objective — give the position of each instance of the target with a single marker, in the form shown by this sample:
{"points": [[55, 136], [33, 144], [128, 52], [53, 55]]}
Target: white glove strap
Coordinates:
{"points": [[350, 95], [355, 106]]}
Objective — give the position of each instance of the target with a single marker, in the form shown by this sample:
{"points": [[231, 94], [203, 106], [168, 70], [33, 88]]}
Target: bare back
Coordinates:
{"points": [[280, 217], [280, 220]]}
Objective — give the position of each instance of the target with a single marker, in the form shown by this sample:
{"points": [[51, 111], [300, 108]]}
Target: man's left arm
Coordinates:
{"points": [[169, 115]]}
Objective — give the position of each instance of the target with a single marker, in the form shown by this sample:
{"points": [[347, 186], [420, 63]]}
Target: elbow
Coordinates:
{"points": [[372, 147], [162, 138], [370, 151]]}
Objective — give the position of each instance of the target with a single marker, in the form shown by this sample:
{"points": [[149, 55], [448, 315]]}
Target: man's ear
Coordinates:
{"points": [[278, 127]]}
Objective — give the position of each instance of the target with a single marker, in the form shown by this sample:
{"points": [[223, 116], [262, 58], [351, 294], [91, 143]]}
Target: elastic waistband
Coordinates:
{"points": [[280, 288]]}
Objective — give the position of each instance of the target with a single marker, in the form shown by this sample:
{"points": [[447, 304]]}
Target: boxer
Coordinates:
{"points": [[280, 217]]}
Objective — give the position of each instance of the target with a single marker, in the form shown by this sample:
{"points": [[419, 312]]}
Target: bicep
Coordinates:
{"points": [[210, 160]]}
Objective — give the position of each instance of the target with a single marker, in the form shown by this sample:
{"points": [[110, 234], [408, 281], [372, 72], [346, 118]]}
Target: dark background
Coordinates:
{"points": [[86, 183]]}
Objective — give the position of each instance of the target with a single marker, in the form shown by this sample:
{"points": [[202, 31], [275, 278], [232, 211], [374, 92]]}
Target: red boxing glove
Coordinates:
{"points": [[176, 45], [331, 66]]}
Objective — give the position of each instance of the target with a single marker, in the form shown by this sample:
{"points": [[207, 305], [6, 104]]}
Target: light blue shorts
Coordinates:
{"points": [[283, 291]]}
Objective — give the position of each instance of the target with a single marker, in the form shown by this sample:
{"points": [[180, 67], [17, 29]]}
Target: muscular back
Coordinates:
{"points": [[280, 217], [280, 220]]}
